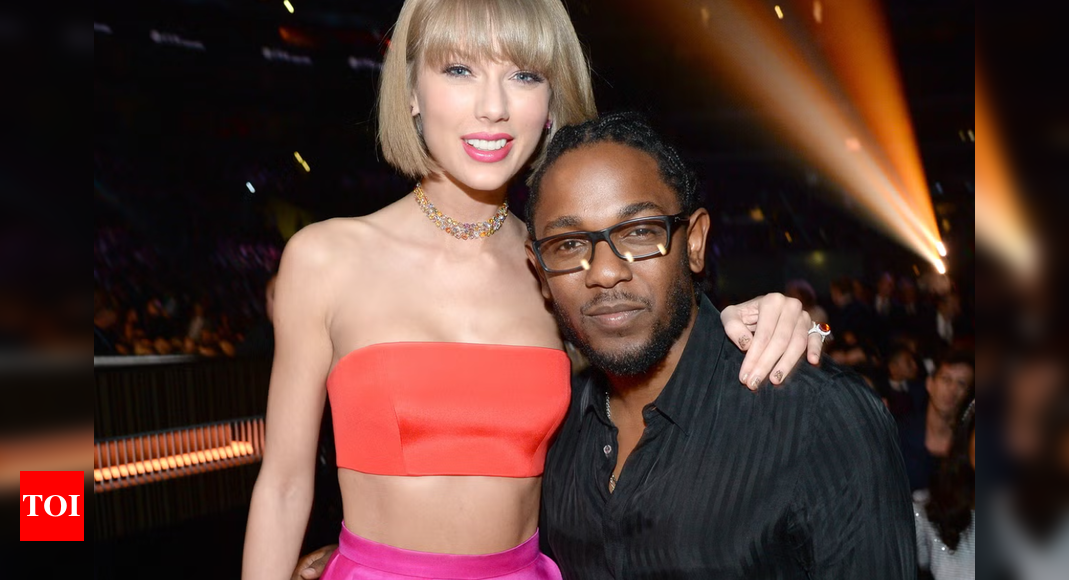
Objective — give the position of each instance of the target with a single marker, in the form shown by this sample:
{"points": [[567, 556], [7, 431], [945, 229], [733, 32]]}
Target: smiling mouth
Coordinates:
{"points": [[486, 145]]}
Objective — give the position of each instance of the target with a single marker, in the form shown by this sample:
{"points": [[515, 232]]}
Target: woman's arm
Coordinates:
{"points": [[282, 497]]}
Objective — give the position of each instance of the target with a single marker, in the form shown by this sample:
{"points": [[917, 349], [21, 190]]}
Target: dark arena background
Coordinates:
{"points": [[835, 144]]}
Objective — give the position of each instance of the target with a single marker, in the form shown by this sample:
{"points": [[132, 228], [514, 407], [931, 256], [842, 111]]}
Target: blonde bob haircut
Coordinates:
{"points": [[535, 35]]}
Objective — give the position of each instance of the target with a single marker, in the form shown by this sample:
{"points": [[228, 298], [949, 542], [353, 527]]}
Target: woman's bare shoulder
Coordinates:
{"points": [[321, 243]]}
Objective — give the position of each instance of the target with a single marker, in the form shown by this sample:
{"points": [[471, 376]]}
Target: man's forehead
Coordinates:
{"points": [[956, 369], [600, 181], [596, 219]]}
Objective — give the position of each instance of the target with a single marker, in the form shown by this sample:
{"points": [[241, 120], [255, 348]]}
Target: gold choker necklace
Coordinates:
{"points": [[461, 231]]}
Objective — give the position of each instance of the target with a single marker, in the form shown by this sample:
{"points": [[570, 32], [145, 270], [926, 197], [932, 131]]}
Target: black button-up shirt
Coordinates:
{"points": [[804, 480]]}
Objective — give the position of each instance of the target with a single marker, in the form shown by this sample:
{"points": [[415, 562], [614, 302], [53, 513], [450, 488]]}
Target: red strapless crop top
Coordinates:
{"points": [[446, 408]]}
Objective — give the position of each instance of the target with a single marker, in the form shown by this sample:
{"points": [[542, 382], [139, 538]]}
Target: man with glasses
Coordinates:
{"points": [[661, 468]]}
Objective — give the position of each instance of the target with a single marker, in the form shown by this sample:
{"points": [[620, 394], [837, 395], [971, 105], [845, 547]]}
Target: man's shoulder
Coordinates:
{"points": [[826, 381], [808, 388], [844, 408], [830, 392]]}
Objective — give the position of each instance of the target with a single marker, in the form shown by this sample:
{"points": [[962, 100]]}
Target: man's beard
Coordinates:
{"points": [[664, 334]]}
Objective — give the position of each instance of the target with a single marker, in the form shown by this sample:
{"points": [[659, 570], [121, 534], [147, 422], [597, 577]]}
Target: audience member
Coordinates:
{"points": [[946, 515], [912, 307], [849, 313], [884, 304], [925, 434], [899, 388], [198, 324]]}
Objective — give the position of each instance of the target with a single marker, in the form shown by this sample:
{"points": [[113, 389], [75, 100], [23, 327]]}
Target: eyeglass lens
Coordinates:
{"points": [[631, 241]]}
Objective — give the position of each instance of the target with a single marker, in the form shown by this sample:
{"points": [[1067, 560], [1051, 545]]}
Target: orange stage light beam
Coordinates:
{"points": [[856, 42], [844, 112], [1001, 225]]}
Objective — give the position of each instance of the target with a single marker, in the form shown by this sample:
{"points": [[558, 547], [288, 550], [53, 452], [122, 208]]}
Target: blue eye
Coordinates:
{"points": [[528, 77], [457, 70]]}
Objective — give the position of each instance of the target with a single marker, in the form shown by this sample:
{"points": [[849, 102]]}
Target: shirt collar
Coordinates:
{"points": [[696, 369]]}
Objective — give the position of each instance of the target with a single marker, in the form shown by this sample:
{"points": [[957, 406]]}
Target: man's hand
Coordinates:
{"points": [[773, 330], [311, 565]]}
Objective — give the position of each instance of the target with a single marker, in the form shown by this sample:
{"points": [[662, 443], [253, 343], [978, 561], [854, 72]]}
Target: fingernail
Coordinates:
{"points": [[753, 384], [778, 377], [744, 377]]}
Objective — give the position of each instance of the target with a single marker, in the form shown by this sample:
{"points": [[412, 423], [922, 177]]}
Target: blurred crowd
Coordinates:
{"points": [[892, 331], [142, 305]]}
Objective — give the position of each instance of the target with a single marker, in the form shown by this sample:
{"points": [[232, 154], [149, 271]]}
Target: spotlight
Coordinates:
{"points": [[940, 267], [252, 189], [288, 6], [304, 164], [843, 109], [939, 247]]}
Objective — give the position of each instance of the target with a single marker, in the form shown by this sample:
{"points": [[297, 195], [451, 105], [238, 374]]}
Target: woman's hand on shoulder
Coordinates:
{"points": [[773, 330]]}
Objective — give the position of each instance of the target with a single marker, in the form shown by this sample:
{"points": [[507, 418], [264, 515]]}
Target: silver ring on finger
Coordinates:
{"points": [[821, 328]]}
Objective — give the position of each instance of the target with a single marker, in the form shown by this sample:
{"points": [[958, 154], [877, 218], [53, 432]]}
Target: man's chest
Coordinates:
{"points": [[699, 504]]}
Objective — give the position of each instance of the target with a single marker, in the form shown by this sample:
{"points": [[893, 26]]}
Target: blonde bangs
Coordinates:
{"points": [[515, 31]]}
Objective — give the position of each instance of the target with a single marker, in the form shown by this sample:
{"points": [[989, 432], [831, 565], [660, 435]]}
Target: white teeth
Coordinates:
{"points": [[484, 145]]}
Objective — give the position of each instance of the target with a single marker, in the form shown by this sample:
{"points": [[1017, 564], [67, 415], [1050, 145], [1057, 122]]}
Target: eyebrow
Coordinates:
{"points": [[564, 221], [635, 208], [572, 221]]}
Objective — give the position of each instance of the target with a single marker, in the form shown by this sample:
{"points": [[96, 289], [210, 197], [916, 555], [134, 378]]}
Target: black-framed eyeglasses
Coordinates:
{"points": [[634, 239]]}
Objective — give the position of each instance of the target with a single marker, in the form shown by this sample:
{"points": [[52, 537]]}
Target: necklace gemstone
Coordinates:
{"points": [[461, 230]]}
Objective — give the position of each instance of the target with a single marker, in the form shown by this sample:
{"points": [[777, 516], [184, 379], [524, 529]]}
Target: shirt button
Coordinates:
{"points": [[607, 449]]}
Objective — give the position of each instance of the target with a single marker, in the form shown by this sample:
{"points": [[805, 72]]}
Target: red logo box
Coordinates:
{"points": [[53, 506]]}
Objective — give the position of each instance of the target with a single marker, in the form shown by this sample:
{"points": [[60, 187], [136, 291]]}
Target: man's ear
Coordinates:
{"points": [[697, 234], [533, 260]]}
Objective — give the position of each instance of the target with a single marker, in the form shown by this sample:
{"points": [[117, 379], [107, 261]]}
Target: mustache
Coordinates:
{"points": [[615, 296]]}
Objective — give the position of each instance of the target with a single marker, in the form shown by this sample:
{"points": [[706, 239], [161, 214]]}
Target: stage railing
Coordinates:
{"points": [[175, 439], [124, 461]]}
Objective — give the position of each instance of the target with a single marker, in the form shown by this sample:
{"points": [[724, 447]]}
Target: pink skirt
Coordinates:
{"points": [[361, 559]]}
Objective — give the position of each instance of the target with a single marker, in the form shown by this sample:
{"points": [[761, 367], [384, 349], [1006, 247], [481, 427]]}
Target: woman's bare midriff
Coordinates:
{"points": [[442, 514]]}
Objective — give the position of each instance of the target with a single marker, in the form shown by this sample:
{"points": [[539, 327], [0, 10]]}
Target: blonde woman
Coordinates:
{"points": [[445, 369]]}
